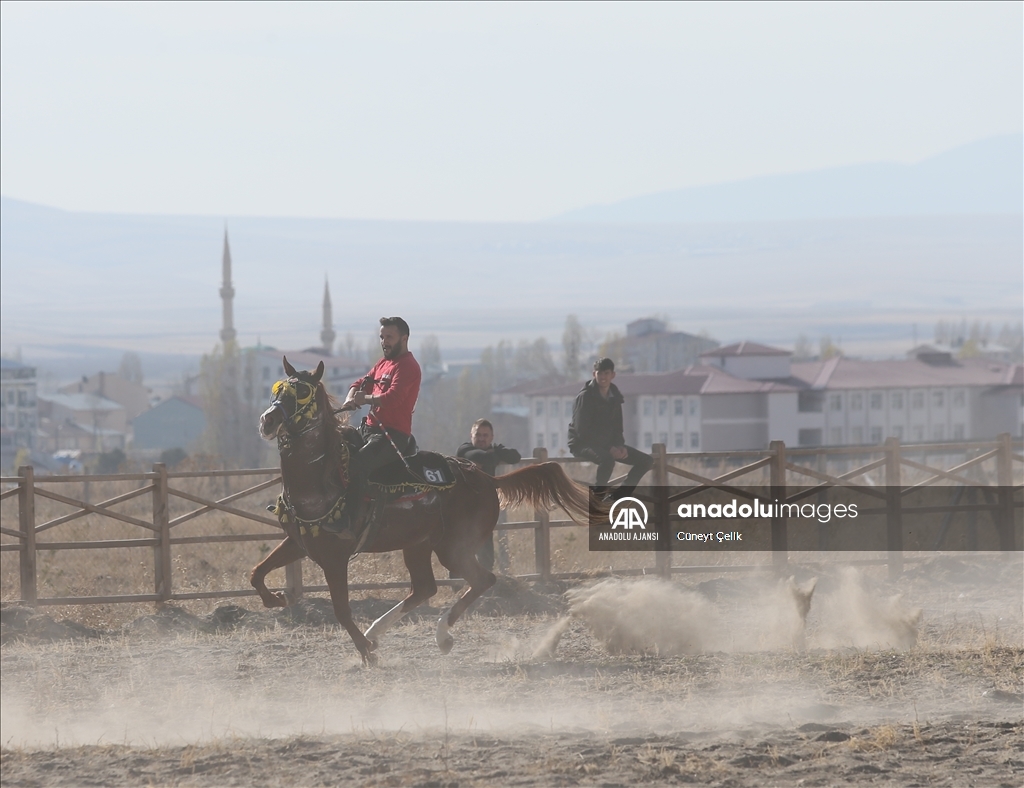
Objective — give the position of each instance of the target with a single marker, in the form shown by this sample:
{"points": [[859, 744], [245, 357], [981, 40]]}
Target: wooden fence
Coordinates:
{"points": [[783, 471]]}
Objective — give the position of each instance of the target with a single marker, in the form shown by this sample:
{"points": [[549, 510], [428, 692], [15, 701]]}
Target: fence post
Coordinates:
{"points": [[27, 524], [161, 522], [1004, 493], [777, 479], [894, 508], [542, 534], [662, 557], [293, 581]]}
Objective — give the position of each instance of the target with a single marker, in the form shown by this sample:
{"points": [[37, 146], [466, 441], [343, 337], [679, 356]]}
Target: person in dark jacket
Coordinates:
{"points": [[485, 453], [595, 433]]}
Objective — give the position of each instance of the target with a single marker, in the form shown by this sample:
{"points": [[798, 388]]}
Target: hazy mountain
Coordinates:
{"points": [[979, 178], [71, 281]]}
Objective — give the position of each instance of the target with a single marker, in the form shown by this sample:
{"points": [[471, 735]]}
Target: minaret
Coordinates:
{"points": [[327, 334], [227, 295]]}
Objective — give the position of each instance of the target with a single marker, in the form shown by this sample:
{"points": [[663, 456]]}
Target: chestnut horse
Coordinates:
{"points": [[453, 523]]}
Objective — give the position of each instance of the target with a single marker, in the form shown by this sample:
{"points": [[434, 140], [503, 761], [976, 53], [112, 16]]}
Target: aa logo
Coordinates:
{"points": [[629, 513]]}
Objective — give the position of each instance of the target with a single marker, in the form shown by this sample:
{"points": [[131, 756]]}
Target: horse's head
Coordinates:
{"points": [[294, 402]]}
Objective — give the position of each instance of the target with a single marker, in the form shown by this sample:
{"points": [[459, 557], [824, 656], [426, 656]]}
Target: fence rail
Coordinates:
{"points": [[781, 462]]}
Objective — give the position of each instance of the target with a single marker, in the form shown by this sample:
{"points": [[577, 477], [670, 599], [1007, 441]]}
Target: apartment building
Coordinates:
{"points": [[745, 395]]}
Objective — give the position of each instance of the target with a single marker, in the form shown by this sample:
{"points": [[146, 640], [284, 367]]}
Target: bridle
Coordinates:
{"points": [[303, 420]]}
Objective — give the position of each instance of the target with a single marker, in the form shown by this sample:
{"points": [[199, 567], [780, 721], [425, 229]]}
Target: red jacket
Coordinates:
{"points": [[396, 384]]}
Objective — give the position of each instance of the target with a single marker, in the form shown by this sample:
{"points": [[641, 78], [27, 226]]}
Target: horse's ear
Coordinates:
{"points": [[288, 368], [319, 373]]}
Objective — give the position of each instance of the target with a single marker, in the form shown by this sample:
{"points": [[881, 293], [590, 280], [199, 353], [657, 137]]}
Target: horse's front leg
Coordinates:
{"points": [[287, 551], [337, 582]]}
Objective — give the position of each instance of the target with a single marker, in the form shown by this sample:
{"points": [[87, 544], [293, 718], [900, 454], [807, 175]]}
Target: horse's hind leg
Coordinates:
{"points": [[465, 565], [287, 551], [424, 586]]}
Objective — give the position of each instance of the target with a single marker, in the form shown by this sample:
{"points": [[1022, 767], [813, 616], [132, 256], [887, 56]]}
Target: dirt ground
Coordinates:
{"points": [[280, 698]]}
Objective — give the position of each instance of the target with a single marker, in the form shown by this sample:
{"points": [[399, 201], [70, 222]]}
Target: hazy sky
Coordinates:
{"points": [[479, 112]]}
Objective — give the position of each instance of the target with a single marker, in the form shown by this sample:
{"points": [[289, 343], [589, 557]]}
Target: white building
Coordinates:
{"points": [[19, 417], [746, 395]]}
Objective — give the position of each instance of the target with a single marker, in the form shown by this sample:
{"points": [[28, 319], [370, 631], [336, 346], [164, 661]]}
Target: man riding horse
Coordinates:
{"points": [[390, 389]]}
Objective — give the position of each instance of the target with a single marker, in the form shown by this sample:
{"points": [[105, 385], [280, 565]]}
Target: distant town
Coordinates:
{"points": [[685, 391]]}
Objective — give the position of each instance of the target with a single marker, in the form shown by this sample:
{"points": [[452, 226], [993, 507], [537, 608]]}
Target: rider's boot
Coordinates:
{"points": [[347, 526]]}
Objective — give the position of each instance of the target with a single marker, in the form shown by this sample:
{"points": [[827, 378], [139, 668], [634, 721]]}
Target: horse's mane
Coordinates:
{"points": [[340, 436]]}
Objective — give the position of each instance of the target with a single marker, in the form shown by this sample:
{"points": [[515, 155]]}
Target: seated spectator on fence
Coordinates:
{"points": [[595, 433], [482, 450]]}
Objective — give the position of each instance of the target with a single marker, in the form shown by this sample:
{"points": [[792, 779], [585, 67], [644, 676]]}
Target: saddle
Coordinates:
{"points": [[427, 471]]}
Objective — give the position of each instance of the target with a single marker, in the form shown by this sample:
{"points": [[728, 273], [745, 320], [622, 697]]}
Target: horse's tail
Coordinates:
{"points": [[545, 485]]}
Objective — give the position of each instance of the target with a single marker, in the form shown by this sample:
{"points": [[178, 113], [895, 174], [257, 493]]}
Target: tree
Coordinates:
{"points": [[131, 367], [611, 347], [828, 348], [373, 351], [227, 386], [350, 345], [430, 356], [572, 347], [533, 360], [803, 351]]}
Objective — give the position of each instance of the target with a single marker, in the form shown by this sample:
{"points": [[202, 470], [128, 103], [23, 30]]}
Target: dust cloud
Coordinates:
{"points": [[851, 616], [660, 618], [626, 656]]}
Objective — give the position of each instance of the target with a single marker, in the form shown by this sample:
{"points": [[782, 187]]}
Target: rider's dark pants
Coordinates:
{"points": [[375, 454]]}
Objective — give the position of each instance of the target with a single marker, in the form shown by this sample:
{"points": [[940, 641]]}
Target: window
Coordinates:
{"points": [[662, 407], [554, 440], [897, 432], [693, 406], [809, 437], [917, 400], [876, 435], [835, 402], [959, 432], [857, 435], [266, 373], [678, 407], [835, 436], [810, 402], [896, 400], [694, 440], [663, 438], [679, 442], [856, 401], [959, 398], [540, 412], [918, 434], [938, 398], [647, 407], [540, 440], [554, 410], [939, 432], [568, 408], [876, 400], [648, 440]]}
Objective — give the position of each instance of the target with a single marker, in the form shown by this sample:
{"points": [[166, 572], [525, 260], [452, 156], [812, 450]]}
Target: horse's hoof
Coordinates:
{"points": [[446, 644], [371, 644]]}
